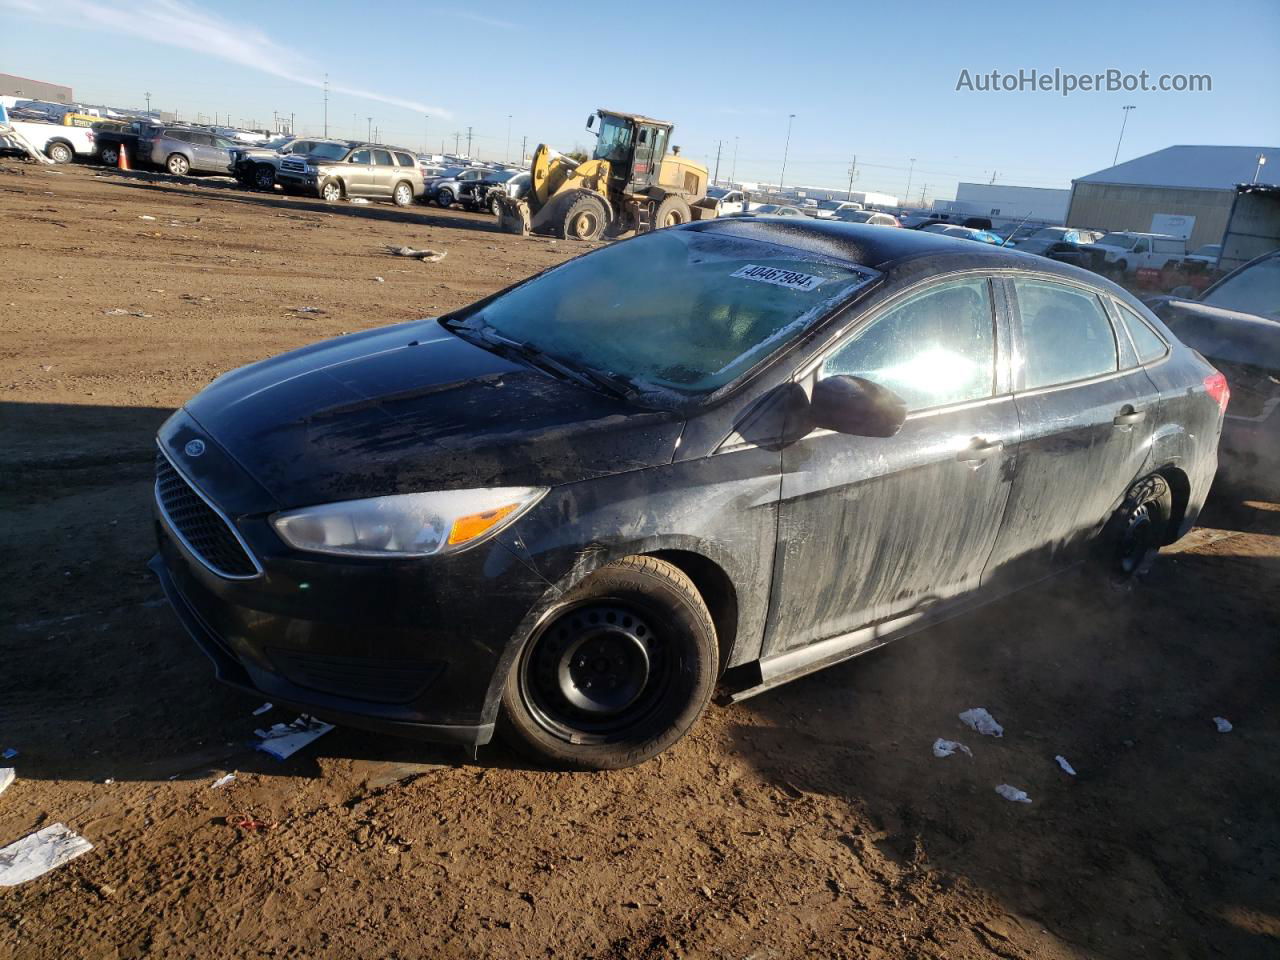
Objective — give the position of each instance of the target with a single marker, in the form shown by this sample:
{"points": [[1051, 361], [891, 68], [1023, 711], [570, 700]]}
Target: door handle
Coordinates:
{"points": [[979, 452], [1128, 416]]}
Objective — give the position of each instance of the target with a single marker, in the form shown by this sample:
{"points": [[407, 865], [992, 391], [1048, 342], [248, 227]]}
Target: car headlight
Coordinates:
{"points": [[407, 524]]}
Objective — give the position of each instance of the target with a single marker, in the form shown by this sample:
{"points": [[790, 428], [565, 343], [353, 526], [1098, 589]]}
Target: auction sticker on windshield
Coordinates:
{"points": [[780, 278]]}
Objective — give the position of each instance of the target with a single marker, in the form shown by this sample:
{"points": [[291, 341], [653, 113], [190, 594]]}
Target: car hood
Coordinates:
{"points": [[414, 407]]}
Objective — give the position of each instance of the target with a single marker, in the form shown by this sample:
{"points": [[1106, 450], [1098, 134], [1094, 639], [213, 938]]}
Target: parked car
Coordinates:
{"points": [[447, 188], [727, 201], [257, 165], [872, 217], [963, 233], [830, 209], [512, 184], [475, 194], [337, 171], [59, 143], [584, 501], [768, 210], [1207, 254], [1124, 252], [1235, 324], [111, 137], [182, 150]]}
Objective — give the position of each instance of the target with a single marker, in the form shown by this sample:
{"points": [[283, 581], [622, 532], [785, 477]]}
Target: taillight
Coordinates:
{"points": [[1216, 386]]}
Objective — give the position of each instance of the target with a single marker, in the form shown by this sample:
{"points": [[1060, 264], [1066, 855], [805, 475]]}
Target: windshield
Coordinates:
{"points": [[1255, 289], [328, 151], [674, 310], [614, 142], [1118, 240]]}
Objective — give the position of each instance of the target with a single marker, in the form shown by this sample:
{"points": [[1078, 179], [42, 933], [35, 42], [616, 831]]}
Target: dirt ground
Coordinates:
{"points": [[811, 821]]}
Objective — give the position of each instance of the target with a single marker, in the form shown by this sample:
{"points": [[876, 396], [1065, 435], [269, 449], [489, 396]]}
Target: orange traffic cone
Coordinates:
{"points": [[122, 157]]}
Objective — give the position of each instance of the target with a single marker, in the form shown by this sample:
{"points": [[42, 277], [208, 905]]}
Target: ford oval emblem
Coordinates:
{"points": [[194, 448]]}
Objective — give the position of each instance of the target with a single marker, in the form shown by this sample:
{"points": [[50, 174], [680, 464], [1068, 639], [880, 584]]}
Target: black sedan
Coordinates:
{"points": [[733, 452]]}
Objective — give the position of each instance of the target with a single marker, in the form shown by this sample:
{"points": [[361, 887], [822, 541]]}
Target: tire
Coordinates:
{"points": [[1121, 268], [402, 194], [1135, 533], [585, 219], [445, 198], [59, 153], [495, 206], [331, 191], [264, 176], [178, 165], [616, 673], [109, 154], [671, 211]]}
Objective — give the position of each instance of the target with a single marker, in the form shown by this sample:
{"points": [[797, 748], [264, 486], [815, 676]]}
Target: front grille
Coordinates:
{"points": [[202, 530], [361, 678], [293, 164]]}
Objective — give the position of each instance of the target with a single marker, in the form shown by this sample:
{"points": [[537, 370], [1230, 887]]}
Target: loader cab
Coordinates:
{"points": [[633, 146]]}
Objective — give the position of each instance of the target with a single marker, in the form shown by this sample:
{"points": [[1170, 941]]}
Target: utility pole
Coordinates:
{"points": [[733, 173], [326, 105], [468, 141], [853, 175], [524, 143], [1123, 123], [716, 179], [457, 138], [292, 128], [507, 156], [923, 191], [993, 176], [370, 129], [426, 143], [148, 96], [785, 150], [909, 173]]}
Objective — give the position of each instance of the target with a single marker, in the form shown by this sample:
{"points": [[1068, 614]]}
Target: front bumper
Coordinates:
{"points": [[297, 181]]}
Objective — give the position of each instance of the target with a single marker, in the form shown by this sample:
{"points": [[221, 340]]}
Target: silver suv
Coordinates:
{"points": [[182, 151], [333, 171]]}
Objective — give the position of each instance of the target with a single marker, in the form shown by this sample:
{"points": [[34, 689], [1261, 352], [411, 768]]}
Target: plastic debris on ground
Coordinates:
{"points": [[427, 256], [283, 740], [1013, 794], [947, 748], [263, 709], [247, 822], [222, 781], [38, 853], [358, 200], [1066, 767], [980, 721], [1223, 724], [7, 776]]}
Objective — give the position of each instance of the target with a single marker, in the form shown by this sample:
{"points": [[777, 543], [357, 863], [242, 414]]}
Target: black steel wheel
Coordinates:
{"points": [[109, 154], [617, 673], [1137, 531], [264, 176], [444, 197]]}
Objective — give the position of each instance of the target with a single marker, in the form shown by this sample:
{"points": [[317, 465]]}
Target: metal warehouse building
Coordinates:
{"points": [[33, 89], [1183, 181]]}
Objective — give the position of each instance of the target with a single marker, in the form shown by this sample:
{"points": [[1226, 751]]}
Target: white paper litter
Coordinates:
{"points": [[222, 781], [979, 720], [263, 709], [1223, 724], [947, 748], [359, 200], [38, 853], [7, 776], [1013, 794], [283, 740], [1062, 762], [146, 217]]}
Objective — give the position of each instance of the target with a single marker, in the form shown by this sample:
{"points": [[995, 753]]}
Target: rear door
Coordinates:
{"points": [[873, 529], [1085, 428]]}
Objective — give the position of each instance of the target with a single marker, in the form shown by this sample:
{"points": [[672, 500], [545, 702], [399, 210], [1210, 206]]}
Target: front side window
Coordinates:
{"points": [[360, 156], [1255, 289], [674, 310], [936, 348], [1066, 335]]}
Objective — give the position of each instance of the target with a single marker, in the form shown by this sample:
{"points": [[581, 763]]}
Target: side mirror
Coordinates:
{"points": [[857, 407], [591, 121]]}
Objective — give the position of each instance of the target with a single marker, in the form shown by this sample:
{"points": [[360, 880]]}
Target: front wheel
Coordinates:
{"points": [[445, 198], [109, 155], [495, 206], [402, 195], [617, 673], [331, 191], [178, 165], [586, 219], [264, 176], [60, 153]]}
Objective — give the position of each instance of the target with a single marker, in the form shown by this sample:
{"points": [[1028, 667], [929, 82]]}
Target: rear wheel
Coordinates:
{"points": [[585, 219], [1136, 532], [617, 673], [178, 165], [109, 154], [331, 191], [495, 206], [402, 195], [671, 211], [445, 198], [60, 153]]}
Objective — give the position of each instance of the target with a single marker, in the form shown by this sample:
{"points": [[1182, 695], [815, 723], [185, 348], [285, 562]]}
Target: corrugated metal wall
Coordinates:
{"points": [[1102, 206]]}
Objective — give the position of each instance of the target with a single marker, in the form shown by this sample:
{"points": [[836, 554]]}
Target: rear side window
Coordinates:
{"points": [[936, 348], [181, 135], [405, 160], [1145, 341], [382, 158], [1066, 335]]}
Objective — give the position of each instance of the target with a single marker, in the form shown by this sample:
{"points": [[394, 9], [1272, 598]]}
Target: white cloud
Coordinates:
{"points": [[176, 23]]}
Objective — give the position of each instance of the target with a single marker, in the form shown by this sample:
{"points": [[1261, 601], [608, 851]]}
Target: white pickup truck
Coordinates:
{"points": [[59, 143]]}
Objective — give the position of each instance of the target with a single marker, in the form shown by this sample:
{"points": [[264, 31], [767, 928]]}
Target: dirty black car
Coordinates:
{"points": [[730, 452]]}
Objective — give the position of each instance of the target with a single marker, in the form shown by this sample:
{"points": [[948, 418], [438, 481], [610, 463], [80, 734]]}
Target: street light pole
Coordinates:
{"points": [[719, 147], [326, 105], [733, 173], [785, 150], [1121, 138], [369, 135], [148, 96], [910, 172], [426, 143]]}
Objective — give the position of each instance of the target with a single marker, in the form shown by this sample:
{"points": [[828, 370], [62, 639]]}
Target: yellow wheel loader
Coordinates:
{"points": [[630, 182]]}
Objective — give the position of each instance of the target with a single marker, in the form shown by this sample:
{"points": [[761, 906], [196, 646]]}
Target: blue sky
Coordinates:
{"points": [[873, 80]]}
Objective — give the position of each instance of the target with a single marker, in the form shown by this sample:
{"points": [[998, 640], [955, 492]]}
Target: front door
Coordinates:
{"points": [[873, 529], [359, 172], [1086, 427], [644, 168]]}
